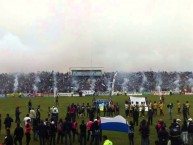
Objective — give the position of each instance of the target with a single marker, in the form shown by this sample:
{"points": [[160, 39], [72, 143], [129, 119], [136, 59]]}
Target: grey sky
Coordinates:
{"points": [[119, 35]]}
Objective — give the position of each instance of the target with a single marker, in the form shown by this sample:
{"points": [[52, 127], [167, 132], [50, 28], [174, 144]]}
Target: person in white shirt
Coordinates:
{"points": [[26, 118], [32, 114]]}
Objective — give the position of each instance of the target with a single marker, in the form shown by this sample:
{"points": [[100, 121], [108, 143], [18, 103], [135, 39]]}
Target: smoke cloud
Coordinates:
{"points": [[120, 35]]}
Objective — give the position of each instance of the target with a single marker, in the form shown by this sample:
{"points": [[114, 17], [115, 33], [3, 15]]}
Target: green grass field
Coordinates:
{"points": [[8, 105]]}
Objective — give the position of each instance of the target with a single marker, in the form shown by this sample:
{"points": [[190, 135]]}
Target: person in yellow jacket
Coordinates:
{"points": [[179, 105], [155, 106], [188, 107], [161, 106], [107, 141], [142, 109]]}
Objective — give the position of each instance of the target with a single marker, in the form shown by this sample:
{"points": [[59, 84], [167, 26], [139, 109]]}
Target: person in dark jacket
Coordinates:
{"points": [[8, 120], [35, 129], [135, 117], [60, 133], [96, 133], [42, 132], [18, 134], [131, 133], [29, 105], [8, 138], [144, 129], [82, 132], [150, 116], [163, 136], [52, 133], [0, 123], [67, 128], [185, 112], [17, 115]]}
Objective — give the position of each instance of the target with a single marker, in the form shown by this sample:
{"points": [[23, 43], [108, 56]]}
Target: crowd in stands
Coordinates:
{"points": [[43, 82]]}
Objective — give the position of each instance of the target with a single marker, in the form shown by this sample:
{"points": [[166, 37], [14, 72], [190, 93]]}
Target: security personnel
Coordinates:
{"points": [[175, 135], [107, 141]]}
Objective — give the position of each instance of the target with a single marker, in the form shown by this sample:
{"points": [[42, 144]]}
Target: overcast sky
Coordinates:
{"points": [[119, 35]]}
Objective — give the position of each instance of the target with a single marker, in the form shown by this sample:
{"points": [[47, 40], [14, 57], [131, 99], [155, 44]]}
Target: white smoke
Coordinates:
{"points": [[55, 84], [36, 82], [75, 85], [109, 85], [144, 80], [92, 84], [125, 84], [113, 83], [158, 83], [16, 84], [177, 83]]}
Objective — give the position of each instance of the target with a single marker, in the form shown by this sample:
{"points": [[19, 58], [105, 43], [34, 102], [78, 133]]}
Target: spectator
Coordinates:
{"points": [[107, 141], [184, 110], [95, 133], [82, 133], [163, 136], [144, 129], [0, 123], [89, 131], [26, 118], [32, 114], [190, 131], [150, 116], [8, 138], [75, 130], [42, 132], [67, 128], [175, 135], [18, 134], [135, 117], [52, 133], [184, 133], [28, 132], [35, 129], [60, 132], [131, 133], [8, 120], [29, 105], [17, 114]]}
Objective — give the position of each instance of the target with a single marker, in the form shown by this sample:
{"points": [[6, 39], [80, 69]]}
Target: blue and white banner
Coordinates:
{"points": [[117, 123]]}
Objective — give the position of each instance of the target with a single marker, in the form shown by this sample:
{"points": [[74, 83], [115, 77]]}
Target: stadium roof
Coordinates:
{"points": [[86, 68]]}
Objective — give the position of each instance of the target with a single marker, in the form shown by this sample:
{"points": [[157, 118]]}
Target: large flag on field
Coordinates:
{"points": [[117, 123], [139, 100]]}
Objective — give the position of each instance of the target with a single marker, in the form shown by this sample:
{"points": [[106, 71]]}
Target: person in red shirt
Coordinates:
{"points": [[75, 130], [28, 132], [89, 124]]}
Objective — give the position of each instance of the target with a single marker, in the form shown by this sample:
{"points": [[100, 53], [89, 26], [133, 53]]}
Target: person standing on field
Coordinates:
{"points": [[179, 106], [28, 132], [107, 141], [18, 134], [82, 133], [131, 133], [188, 107], [8, 120], [29, 105], [8, 138]]}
